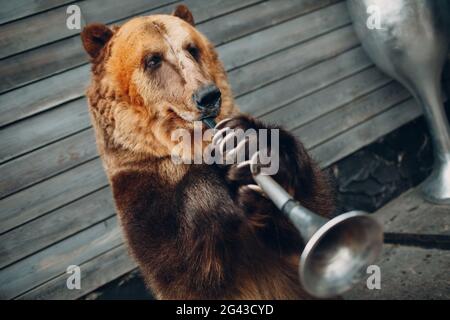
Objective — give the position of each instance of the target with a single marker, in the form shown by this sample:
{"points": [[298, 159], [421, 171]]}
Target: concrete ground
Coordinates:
{"points": [[415, 263]]}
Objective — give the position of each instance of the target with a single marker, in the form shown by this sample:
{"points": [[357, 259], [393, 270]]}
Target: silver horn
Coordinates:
{"points": [[409, 40], [337, 251]]}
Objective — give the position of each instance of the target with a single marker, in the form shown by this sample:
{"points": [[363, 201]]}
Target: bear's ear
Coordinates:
{"points": [[183, 12], [95, 36]]}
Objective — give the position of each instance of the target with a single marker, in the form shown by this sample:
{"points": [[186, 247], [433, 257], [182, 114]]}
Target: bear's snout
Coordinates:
{"points": [[208, 99]]}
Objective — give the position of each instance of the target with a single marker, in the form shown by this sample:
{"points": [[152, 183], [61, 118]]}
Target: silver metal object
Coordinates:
{"points": [[409, 40], [337, 251]]}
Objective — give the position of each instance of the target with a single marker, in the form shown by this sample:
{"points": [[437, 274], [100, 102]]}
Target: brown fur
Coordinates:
{"points": [[196, 231]]}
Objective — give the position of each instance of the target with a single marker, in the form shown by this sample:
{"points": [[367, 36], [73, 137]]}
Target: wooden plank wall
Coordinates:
{"points": [[293, 62]]}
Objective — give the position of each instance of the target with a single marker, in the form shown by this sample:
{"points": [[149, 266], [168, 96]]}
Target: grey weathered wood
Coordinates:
{"points": [[95, 273], [296, 86], [207, 10], [12, 149], [410, 213], [291, 60], [262, 43], [43, 95], [51, 194], [46, 162], [40, 63], [365, 133], [67, 53], [409, 273], [232, 26], [48, 263], [55, 226], [44, 128], [51, 26], [309, 108], [350, 115], [13, 10]]}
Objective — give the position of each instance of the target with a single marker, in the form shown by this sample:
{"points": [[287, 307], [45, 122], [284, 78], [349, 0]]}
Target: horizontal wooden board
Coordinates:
{"points": [[95, 273], [296, 86], [13, 10], [43, 95], [50, 26], [53, 261], [28, 135], [51, 194], [204, 11], [55, 226], [46, 162], [69, 85], [236, 24], [291, 60], [42, 62], [309, 108], [68, 53], [354, 113], [262, 43], [35, 31], [366, 133]]}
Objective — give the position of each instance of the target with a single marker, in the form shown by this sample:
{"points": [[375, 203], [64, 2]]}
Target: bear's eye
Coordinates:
{"points": [[194, 52], [153, 61]]}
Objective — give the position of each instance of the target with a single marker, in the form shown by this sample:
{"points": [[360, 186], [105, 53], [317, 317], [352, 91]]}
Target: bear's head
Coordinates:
{"points": [[152, 75]]}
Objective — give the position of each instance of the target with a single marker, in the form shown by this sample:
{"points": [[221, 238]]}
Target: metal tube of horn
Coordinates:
{"points": [[337, 251]]}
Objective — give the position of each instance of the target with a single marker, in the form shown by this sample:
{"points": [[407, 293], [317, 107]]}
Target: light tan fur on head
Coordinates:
{"points": [[144, 80]]}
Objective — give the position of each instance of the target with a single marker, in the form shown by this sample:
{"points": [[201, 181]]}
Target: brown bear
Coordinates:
{"points": [[197, 231]]}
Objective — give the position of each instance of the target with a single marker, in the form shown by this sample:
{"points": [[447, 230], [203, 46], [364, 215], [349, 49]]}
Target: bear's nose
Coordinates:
{"points": [[207, 98]]}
